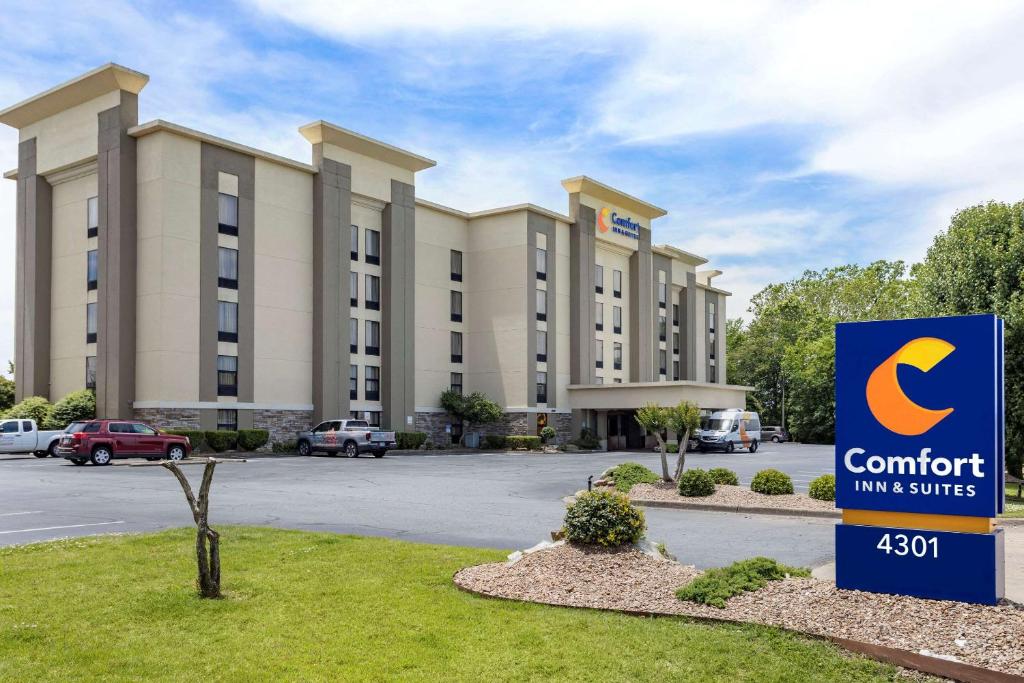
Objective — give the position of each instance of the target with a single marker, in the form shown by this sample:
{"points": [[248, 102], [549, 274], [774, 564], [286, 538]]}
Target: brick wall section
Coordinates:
{"points": [[169, 418], [282, 424], [519, 424]]}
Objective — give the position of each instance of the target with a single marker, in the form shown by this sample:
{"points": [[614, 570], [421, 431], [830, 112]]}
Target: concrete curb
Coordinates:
{"points": [[751, 510], [956, 671]]}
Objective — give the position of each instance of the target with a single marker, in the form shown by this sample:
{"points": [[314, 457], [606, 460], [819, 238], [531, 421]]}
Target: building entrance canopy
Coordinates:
{"points": [[636, 394]]}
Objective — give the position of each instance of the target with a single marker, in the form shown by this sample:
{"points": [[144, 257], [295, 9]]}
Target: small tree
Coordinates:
{"points": [[683, 419], [207, 540], [654, 419], [473, 408]]}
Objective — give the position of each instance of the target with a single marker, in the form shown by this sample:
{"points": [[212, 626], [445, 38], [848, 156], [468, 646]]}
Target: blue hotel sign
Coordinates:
{"points": [[919, 457]]}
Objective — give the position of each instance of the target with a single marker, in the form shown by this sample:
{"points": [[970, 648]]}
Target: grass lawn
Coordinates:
{"points": [[1014, 503], [309, 606]]}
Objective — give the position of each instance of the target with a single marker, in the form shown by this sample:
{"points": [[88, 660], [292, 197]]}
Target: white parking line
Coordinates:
{"points": [[15, 514], [53, 528]]}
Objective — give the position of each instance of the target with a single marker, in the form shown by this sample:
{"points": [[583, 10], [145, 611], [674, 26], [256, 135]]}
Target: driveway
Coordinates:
{"points": [[486, 500]]}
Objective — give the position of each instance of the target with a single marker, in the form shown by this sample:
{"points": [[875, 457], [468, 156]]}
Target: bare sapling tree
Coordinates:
{"points": [[654, 420], [207, 540], [684, 419]]}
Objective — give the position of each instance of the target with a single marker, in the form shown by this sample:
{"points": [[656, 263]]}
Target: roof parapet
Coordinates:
{"points": [[609, 194], [322, 131]]}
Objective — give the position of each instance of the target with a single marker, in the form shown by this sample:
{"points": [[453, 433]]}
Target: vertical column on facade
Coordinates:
{"points": [[582, 258], [537, 224], [399, 306], [214, 161], [332, 218], [116, 300], [662, 264], [688, 327], [32, 277], [642, 329], [720, 338]]}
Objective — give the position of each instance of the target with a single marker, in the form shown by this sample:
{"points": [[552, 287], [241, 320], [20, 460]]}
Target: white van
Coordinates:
{"points": [[728, 430]]}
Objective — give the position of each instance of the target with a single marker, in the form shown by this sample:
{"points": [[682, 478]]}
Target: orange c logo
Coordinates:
{"points": [[890, 406], [603, 219]]}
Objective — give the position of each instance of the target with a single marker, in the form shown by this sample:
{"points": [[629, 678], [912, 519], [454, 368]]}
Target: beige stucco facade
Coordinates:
{"points": [[543, 341]]}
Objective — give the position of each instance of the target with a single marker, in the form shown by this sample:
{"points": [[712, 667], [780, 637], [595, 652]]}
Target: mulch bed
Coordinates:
{"points": [[629, 580], [733, 497]]}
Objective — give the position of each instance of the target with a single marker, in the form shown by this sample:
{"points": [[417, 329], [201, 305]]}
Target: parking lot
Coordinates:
{"points": [[487, 500]]}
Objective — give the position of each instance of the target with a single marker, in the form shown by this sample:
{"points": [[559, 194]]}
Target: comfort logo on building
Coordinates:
{"points": [[887, 401], [610, 220], [604, 217]]}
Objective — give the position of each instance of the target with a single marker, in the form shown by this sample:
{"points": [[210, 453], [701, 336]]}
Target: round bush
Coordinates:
{"points": [[629, 474], [771, 483], [547, 433], [721, 475], [824, 487], [602, 518], [32, 408], [252, 439], [76, 406], [696, 483]]}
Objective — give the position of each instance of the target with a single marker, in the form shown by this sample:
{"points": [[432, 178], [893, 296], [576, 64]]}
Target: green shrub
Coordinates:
{"points": [[602, 518], [721, 475], [547, 433], [696, 483], [195, 437], [285, 446], [672, 448], [628, 474], [824, 487], [76, 406], [410, 441], [221, 441], [771, 483], [492, 442], [527, 442], [716, 586], [252, 439], [32, 408], [587, 440]]}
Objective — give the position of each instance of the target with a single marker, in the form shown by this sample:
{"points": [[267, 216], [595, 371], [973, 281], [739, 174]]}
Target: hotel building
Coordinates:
{"points": [[197, 282]]}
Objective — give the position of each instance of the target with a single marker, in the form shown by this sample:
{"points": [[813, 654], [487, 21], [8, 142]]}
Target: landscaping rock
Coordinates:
{"points": [[728, 496]]}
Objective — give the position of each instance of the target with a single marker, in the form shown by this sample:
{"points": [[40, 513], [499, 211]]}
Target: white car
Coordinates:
{"points": [[23, 436]]}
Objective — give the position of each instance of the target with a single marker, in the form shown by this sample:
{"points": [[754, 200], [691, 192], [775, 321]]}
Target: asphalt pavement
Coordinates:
{"points": [[479, 499]]}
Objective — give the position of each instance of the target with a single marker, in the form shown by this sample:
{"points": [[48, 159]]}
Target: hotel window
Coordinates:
{"points": [[353, 382], [90, 372], [617, 356], [456, 347], [455, 383], [92, 269], [372, 390], [90, 323], [675, 370], [353, 335], [711, 318], [675, 342], [542, 305], [599, 279], [599, 380], [353, 246], [599, 353], [92, 216], [372, 246], [227, 218], [372, 292], [599, 317], [542, 387], [542, 264], [617, 319], [617, 284], [353, 289], [663, 362], [712, 374], [227, 420], [542, 346], [372, 339], [227, 375], [662, 295], [662, 331], [675, 314], [227, 268], [227, 321], [456, 266], [456, 306], [617, 380], [373, 418]]}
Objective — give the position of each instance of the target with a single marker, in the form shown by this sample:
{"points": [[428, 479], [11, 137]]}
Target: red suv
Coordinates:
{"points": [[100, 441]]}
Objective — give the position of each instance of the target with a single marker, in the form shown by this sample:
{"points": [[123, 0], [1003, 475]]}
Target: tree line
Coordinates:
{"points": [[788, 347]]}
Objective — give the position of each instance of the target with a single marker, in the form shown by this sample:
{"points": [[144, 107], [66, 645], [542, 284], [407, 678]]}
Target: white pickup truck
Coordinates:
{"points": [[350, 437], [23, 436]]}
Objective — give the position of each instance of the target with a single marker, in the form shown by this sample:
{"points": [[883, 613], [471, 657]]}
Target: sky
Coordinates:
{"points": [[779, 136]]}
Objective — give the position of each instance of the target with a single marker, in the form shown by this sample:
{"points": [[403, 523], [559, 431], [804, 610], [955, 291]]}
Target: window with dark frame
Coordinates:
{"points": [[90, 372], [675, 370], [90, 323], [617, 284], [675, 314], [662, 295], [227, 321], [456, 306], [372, 339], [711, 318], [675, 343], [599, 317], [92, 269], [542, 305], [617, 319], [456, 342], [227, 268], [353, 335], [353, 244], [542, 387], [542, 263], [599, 278], [227, 375], [617, 355], [92, 217], [373, 246], [227, 214], [227, 420], [372, 293], [353, 382], [456, 265], [455, 383], [713, 374], [599, 353], [662, 328], [373, 418], [663, 362], [372, 382], [353, 289], [542, 346]]}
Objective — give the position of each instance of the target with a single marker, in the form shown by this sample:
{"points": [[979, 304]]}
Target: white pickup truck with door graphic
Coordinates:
{"points": [[350, 437]]}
